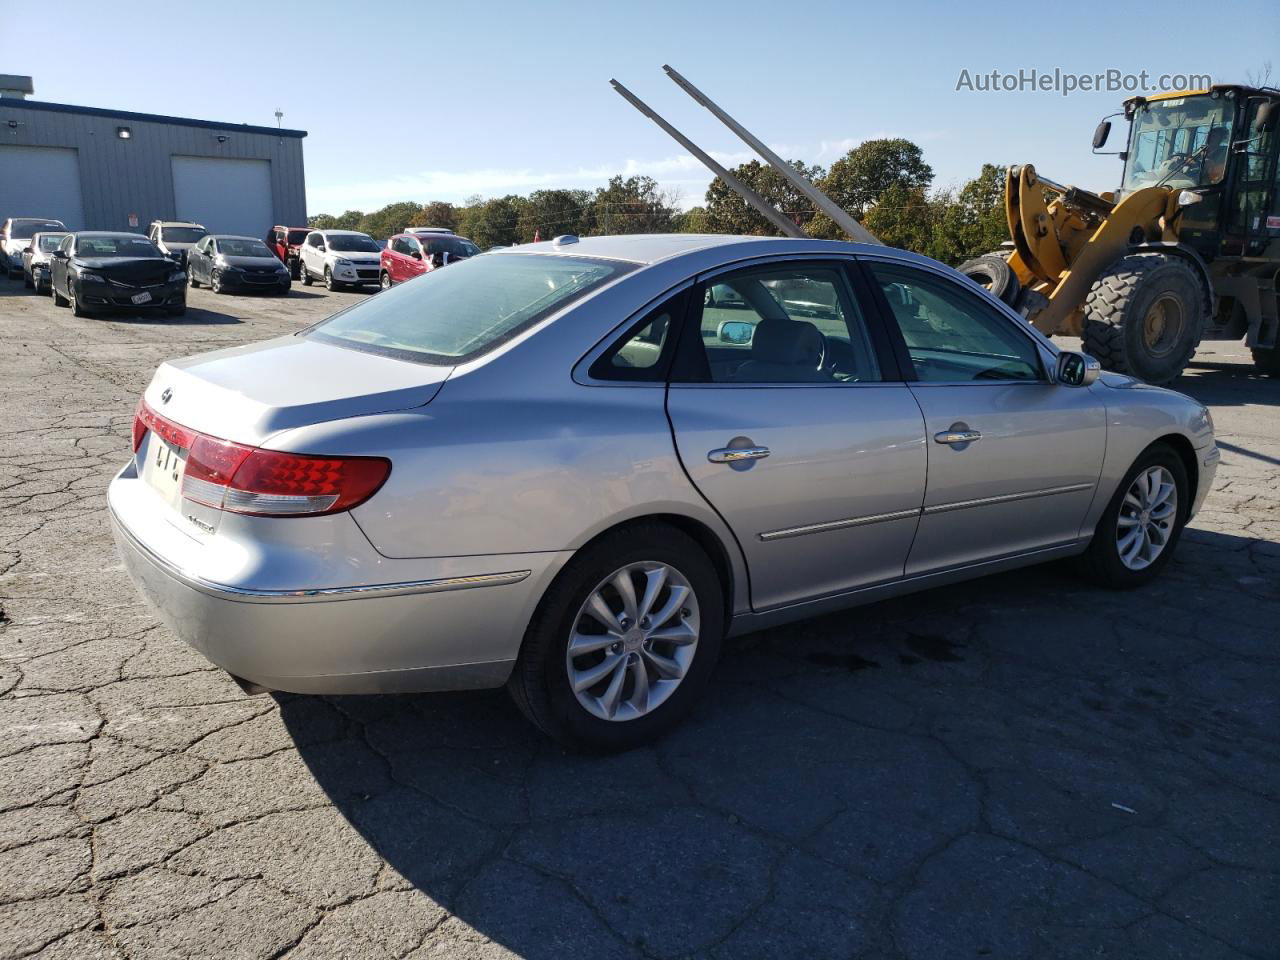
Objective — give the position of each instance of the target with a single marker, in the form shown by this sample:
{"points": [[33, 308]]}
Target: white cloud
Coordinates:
{"points": [[680, 172]]}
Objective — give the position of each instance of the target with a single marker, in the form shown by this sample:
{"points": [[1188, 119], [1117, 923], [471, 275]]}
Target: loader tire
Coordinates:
{"points": [[992, 271], [1266, 363], [1144, 316]]}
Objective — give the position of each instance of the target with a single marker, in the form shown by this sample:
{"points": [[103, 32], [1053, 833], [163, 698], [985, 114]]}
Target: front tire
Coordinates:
{"points": [[58, 299], [1143, 316], [215, 283], [1142, 524], [76, 309], [384, 281], [303, 275], [329, 282], [192, 282], [624, 642]]}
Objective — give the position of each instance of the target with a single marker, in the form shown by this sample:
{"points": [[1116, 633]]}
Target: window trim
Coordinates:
{"points": [[1046, 357], [689, 353], [600, 371]]}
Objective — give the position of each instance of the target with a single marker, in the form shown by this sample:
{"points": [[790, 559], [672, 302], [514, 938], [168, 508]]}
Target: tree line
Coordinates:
{"points": [[884, 183]]}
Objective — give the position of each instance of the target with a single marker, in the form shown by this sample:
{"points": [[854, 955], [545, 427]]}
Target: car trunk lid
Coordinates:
{"points": [[245, 394]]}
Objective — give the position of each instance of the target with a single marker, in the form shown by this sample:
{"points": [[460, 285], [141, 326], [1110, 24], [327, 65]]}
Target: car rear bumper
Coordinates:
{"points": [[447, 623]]}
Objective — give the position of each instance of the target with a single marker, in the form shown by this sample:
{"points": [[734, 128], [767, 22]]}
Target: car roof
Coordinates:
{"points": [[110, 233], [338, 233], [233, 236], [649, 248], [177, 223]]}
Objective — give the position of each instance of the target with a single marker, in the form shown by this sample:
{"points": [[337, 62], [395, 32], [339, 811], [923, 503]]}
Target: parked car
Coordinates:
{"points": [[35, 260], [97, 270], [230, 264], [408, 255], [175, 238], [547, 468], [15, 237], [341, 258], [285, 243]]}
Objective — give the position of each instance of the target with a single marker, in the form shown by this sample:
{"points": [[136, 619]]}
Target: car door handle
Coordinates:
{"points": [[736, 454], [953, 436]]}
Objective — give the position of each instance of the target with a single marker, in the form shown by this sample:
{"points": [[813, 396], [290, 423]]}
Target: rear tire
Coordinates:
{"points": [[992, 271], [293, 268], [1144, 317], [540, 683], [1103, 562], [1266, 363]]}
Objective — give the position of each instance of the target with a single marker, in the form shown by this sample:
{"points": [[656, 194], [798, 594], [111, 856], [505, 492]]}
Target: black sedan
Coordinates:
{"points": [[96, 270], [241, 264]]}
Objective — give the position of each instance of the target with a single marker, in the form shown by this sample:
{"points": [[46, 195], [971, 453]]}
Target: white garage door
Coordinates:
{"points": [[41, 182], [227, 196]]}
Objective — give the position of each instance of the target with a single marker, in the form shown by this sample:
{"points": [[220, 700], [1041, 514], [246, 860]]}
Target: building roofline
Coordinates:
{"points": [[146, 117]]}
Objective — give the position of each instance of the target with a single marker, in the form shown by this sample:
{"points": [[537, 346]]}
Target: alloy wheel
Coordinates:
{"points": [[633, 641], [1147, 517]]}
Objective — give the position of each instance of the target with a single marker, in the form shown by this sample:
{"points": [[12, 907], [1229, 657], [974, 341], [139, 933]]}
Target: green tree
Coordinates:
{"points": [[630, 205], [693, 220], [327, 221], [550, 213], [863, 175], [727, 212], [973, 221], [392, 218], [905, 217], [493, 222], [437, 213]]}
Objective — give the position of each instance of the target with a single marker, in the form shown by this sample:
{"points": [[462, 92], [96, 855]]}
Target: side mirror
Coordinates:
{"points": [[1077, 369], [1265, 119], [416, 255], [735, 331], [1100, 134], [59, 254]]}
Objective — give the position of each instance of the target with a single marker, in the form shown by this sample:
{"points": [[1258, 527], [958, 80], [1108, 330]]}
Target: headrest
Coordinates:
{"points": [[791, 342]]}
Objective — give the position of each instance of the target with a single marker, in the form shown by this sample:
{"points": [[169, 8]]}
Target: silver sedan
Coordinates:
{"points": [[576, 467]]}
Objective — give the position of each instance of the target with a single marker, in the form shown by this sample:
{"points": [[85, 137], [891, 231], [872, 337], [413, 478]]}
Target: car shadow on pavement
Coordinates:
{"points": [[194, 316], [1018, 760]]}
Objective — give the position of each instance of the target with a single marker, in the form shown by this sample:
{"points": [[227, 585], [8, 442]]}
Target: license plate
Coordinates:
{"points": [[143, 297], [164, 467]]}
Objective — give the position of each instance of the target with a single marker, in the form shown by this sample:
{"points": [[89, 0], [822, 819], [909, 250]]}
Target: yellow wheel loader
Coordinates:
{"points": [[1187, 249]]}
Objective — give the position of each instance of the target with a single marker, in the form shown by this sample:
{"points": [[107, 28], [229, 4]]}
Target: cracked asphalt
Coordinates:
{"points": [[1017, 767]]}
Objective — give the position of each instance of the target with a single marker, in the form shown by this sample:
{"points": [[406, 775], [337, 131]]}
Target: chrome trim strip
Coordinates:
{"points": [[837, 525], [240, 594], [1007, 498]]}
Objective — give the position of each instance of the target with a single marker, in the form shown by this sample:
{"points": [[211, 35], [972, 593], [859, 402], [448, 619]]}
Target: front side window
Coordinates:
{"points": [[50, 241], [455, 315], [950, 334], [782, 324]]}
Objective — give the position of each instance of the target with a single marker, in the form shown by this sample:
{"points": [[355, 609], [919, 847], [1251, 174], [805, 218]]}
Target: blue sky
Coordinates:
{"points": [[442, 100]]}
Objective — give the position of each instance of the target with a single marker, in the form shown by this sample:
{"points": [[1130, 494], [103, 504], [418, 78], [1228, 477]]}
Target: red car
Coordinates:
{"points": [[284, 243], [407, 255]]}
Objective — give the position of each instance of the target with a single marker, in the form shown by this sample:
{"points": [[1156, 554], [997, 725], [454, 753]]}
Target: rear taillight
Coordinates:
{"points": [[231, 476]]}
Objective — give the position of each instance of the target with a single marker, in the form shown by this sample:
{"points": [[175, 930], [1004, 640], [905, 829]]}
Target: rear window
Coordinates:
{"points": [[26, 229], [182, 234], [297, 236], [455, 315]]}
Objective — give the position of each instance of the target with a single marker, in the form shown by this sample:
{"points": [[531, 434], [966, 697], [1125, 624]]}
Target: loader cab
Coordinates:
{"points": [[1208, 147]]}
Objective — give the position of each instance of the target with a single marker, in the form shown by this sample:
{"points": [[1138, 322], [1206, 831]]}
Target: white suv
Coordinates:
{"points": [[15, 237], [340, 257], [175, 238]]}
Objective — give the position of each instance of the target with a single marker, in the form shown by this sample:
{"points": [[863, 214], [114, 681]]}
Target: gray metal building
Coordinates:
{"points": [[98, 169]]}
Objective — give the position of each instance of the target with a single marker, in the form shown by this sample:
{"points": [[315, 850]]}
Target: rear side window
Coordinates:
{"points": [[950, 334], [455, 315], [643, 353]]}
